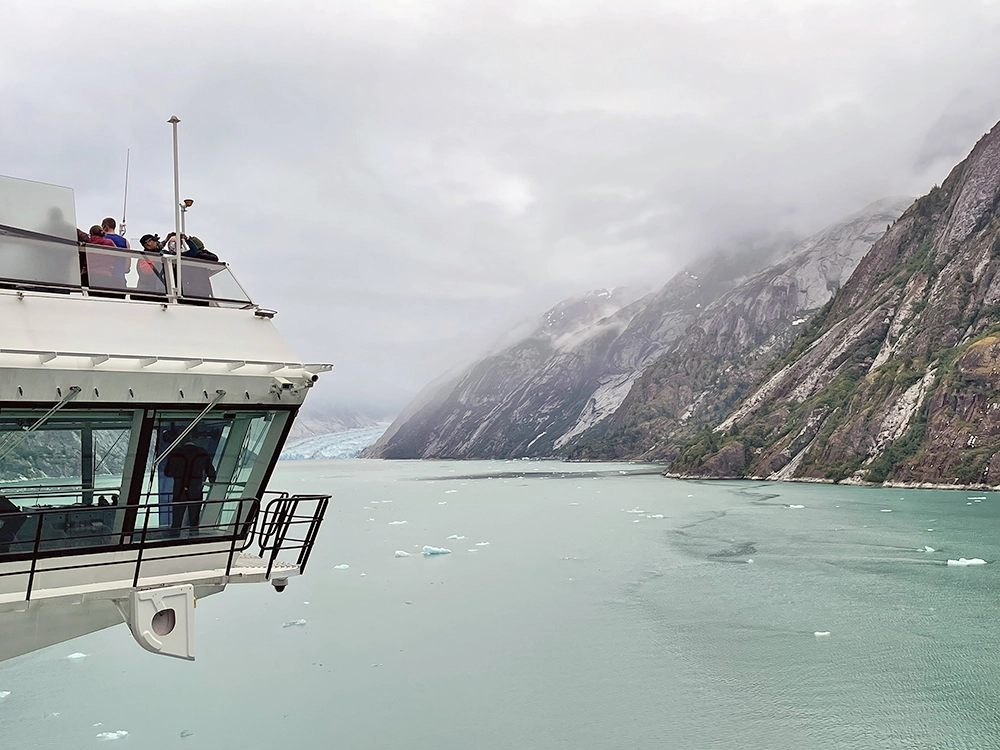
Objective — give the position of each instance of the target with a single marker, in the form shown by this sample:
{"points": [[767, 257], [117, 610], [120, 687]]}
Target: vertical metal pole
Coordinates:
{"points": [[183, 216], [177, 291]]}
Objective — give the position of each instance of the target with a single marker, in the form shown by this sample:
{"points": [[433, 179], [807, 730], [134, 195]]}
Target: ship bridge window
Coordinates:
{"points": [[62, 477], [197, 471]]}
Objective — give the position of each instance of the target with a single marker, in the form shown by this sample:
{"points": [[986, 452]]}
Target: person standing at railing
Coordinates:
{"points": [[122, 265], [101, 269], [189, 465]]}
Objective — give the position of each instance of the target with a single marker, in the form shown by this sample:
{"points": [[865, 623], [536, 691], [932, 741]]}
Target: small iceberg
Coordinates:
{"points": [[821, 633], [293, 624], [962, 562], [457, 537], [429, 551], [4, 694], [396, 523], [186, 733], [77, 655], [450, 492], [341, 567], [655, 515], [928, 549], [886, 510], [105, 736], [795, 506], [636, 510], [482, 544], [402, 553], [472, 550], [443, 502]]}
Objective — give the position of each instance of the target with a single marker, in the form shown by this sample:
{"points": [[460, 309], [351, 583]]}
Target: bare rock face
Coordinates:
{"points": [[572, 371], [898, 378], [732, 343]]}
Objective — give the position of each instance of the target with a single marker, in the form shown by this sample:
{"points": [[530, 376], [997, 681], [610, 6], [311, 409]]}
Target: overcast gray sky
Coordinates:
{"points": [[404, 179]]}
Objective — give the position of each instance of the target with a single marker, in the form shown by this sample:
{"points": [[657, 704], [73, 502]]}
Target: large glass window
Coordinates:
{"points": [[62, 477], [196, 472]]}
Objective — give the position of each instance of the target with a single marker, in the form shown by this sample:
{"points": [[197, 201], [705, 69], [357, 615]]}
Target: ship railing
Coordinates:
{"points": [[37, 262], [290, 523]]}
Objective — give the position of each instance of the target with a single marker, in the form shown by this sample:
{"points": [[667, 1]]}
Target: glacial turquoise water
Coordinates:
{"points": [[587, 621]]}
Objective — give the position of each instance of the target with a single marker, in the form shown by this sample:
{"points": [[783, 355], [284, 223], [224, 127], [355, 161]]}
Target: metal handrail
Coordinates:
{"points": [[270, 528]]}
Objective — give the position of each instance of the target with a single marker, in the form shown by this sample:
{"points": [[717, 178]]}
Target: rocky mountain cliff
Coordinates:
{"points": [[571, 371], [898, 377], [733, 342]]}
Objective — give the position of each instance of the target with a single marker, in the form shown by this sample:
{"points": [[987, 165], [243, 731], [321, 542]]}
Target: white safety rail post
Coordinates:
{"points": [[177, 291]]}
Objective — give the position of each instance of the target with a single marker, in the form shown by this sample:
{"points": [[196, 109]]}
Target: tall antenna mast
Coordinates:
{"points": [[125, 201]]}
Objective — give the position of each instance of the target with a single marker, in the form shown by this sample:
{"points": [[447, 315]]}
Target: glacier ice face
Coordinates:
{"points": [[346, 444]]}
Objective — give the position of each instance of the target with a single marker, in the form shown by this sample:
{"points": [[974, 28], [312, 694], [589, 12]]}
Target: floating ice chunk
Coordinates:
{"points": [[443, 502], [886, 510], [472, 550], [690, 495], [105, 736], [482, 544], [962, 562], [402, 553], [99, 724], [575, 503], [795, 506], [968, 503], [456, 537], [341, 567], [655, 515], [928, 549], [77, 655], [930, 529], [4, 694], [371, 519], [186, 733], [293, 624], [978, 500], [636, 510], [450, 492], [396, 523], [429, 551], [821, 633], [749, 560], [305, 602]]}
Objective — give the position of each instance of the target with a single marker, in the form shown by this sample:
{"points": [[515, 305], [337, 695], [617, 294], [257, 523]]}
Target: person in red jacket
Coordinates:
{"points": [[101, 271]]}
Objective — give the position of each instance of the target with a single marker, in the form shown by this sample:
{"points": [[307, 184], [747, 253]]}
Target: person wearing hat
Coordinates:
{"points": [[150, 271]]}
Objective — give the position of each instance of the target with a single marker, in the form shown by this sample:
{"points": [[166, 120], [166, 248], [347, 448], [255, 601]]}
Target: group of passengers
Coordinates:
{"points": [[108, 270]]}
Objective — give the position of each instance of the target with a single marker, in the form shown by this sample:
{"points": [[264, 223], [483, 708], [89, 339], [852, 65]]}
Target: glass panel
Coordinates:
{"points": [[205, 280], [39, 261], [66, 474], [38, 207], [196, 488]]}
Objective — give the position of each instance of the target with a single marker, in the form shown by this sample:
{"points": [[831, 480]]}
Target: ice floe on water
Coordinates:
{"points": [[443, 502], [341, 567], [472, 550], [962, 562], [886, 510], [294, 624], [636, 509], [482, 544], [77, 655], [655, 515], [402, 553], [457, 537], [450, 492], [977, 498], [821, 633], [3, 695], [396, 523], [795, 506], [928, 549], [117, 735], [428, 551]]}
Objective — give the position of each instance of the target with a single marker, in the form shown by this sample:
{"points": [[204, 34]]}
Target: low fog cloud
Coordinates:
{"points": [[403, 180]]}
